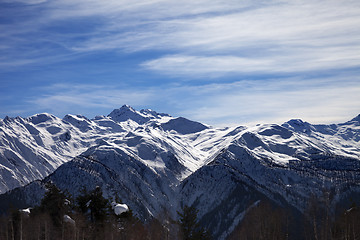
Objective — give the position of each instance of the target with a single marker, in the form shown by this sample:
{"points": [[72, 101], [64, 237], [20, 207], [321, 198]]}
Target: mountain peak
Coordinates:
{"points": [[298, 125], [41, 118], [126, 107], [183, 126], [126, 112]]}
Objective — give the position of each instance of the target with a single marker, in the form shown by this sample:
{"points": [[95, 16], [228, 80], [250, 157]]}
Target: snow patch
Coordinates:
{"points": [[68, 219], [119, 208]]}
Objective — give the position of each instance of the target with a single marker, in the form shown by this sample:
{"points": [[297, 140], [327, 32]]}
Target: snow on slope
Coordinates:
{"points": [[183, 126], [31, 148], [145, 115], [276, 163], [157, 162]]}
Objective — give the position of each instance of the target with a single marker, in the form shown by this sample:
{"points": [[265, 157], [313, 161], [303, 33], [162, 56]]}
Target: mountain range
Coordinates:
{"points": [[157, 163]]}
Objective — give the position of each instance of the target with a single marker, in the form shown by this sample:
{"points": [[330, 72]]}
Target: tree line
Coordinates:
{"points": [[92, 217]]}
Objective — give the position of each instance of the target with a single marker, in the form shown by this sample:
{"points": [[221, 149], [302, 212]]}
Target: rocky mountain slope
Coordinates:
{"points": [[156, 162]]}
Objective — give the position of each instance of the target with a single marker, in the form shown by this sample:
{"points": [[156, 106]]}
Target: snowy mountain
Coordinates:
{"points": [[32, 148], [156, 162]]}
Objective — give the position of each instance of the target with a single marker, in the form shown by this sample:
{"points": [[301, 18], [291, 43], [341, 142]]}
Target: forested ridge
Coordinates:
{"points": [[90, 216]]}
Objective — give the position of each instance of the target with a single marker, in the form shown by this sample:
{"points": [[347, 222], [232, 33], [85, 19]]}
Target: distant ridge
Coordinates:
{"points": [[155, 162]]}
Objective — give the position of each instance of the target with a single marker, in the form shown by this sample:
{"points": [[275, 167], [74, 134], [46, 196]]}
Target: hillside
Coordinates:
{"points": [[157, 163]]}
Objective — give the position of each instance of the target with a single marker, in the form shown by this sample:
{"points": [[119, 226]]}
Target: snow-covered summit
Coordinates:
{"points": [[126, 112], [298, 125], [41, 118], [183, 126]]}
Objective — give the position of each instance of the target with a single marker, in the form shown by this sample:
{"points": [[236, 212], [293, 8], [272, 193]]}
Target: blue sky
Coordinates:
{"points": [[218, 62]]}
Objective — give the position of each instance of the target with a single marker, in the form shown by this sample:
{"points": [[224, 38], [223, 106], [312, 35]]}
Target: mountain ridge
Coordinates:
{"points": [[157, 163]]}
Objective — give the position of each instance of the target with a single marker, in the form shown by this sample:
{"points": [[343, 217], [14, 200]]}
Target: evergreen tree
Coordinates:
{"points": [[54, 203], [189, 225], [98, 205], [82, 200], [93, 204]]}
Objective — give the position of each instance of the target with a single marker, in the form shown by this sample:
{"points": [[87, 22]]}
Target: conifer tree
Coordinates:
{"points": [[189, 225], [94, 204], [98, 205], [54, 203]]}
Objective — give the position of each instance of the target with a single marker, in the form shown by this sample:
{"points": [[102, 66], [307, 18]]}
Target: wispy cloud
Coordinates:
{"points": [[325, 101], [278, 36], [285, 37], [305, 53], [235, 104], [63, 98], [25, 1], [235, 36], [215, 66]]}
